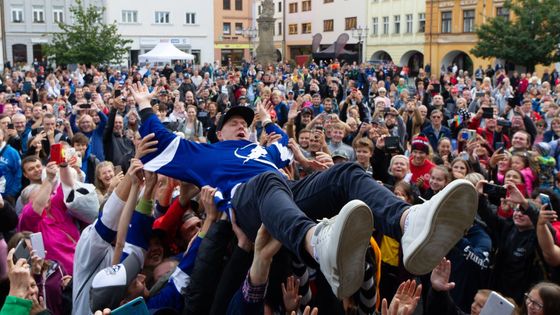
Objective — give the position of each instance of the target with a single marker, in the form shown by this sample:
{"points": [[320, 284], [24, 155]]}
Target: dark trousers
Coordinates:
{"points": [[288, 208]]}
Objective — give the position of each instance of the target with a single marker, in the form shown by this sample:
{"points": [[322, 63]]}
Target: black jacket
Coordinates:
{"points": [[118, 149]]}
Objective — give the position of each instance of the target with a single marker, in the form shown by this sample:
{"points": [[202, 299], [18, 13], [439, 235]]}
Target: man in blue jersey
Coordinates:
{"points": [[248, 181]]}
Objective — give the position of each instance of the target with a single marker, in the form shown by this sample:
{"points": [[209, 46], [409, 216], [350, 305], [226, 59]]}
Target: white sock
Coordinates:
{"points": [[406, 221]]}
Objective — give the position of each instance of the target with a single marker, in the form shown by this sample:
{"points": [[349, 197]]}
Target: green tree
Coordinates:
{"points": [[87, 40], [528, 38]]}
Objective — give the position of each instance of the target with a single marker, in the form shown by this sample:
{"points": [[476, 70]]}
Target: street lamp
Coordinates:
{"points": [[360, 33], [251, 33]]}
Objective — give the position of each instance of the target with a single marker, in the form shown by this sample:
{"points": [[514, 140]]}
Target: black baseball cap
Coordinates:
{"points": [[247, 113]]}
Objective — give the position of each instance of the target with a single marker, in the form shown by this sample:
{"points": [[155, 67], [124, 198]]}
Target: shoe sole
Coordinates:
{"points": [[451, 218], [357, 227]]}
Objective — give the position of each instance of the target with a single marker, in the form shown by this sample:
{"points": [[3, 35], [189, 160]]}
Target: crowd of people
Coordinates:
{"points": [[198, 188]]}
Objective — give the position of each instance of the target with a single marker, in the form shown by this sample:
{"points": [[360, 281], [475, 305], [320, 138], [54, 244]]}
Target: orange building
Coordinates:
{"points": [[231, 18], [450, 32]]}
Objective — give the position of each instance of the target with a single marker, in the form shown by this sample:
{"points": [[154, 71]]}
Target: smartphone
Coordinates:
{"points": [[57, 154], [10, 126], [85, 106], [545, 200], [494, 190], [38, 244], [301, 92], [117, 93], [118, 169], [499, 146], [386, 109], [504, 123], [137, 306], [496, 305], [73, 157], [21, 251], [487, 112], [392, 144], [479, 94]]}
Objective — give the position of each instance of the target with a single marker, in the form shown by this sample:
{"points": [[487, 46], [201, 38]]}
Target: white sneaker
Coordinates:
{"points": [[340, 245], [434, 227]]}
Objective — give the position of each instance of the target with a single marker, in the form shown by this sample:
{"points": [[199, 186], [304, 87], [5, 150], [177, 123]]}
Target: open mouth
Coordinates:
{"points": [[241, 135]]}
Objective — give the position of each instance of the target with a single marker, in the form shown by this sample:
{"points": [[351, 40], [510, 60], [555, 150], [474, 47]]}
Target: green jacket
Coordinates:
{"points": [[16, 306]]}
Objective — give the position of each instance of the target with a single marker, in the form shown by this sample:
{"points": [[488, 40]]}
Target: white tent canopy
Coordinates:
{"points": [[165, 52]]}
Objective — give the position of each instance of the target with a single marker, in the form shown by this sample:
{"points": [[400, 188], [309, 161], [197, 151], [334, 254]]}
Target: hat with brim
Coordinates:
{"points": [[340, 154], [110, 284], [245, 112]]}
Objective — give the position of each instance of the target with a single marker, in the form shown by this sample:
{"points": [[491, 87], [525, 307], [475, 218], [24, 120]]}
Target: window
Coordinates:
{"points": [[279, 6], [328, 1], [227, 4], [162, 17], [190, 18], [238, 28], [129, 16], [293, 7], [58, 15], [421, 22], [350, 23], [409, 23], [260, 9], [375, 26], [292, 29], [328, 25], [397, 19], [239, 5], [226, 30], [305, 28], [306, 5], [503, 12], [38, 14], [385, 25], [446, 22], [468, 21], [279, 28], [17, 15]]}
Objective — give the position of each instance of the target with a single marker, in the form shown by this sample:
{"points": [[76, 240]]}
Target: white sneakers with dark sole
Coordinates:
{"points": [[340, 244], [435, 226]]}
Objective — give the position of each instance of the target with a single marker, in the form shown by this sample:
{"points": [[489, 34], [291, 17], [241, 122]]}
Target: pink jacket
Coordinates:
{"points": [[60, 231]]}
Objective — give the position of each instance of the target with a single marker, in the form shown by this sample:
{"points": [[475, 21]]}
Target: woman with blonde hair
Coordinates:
{"points": [[106, 180]]}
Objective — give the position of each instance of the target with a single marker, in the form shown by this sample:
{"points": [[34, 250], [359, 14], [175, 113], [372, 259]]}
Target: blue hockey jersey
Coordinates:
{"points": [[222, 165]]}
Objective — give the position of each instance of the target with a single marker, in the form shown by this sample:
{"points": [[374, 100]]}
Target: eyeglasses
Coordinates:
{"points": [[529, 301]]}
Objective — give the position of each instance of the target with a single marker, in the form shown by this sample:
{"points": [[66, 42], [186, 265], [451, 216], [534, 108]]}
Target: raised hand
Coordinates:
{"points": [[146, 146], [405, 300], [290, 294], [440, 276], [142, 96], [19, 275], [207, 200]]}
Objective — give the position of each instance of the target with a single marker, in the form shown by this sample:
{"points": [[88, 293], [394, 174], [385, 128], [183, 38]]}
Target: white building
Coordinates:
{"points": [[397, 32], [330, 18], [188, 24], [29, 24]]}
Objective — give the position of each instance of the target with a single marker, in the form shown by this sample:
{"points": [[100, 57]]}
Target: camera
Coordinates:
{"points": [[494, 190], [393, 145], [504, 123], [87, 96]]}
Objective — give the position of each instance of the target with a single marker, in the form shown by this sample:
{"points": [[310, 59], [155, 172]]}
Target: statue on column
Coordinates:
{"points": [[265, 51]]}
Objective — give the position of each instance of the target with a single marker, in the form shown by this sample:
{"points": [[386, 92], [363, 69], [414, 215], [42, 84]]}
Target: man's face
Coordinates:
{"points": [[49, 123], [436, 118], [86, 123], [234, 129], [328, 106], [363, 155], [19, 123], [337, 135], [37, 112], [81, 147], [520, 141], [303, 139], [316, 100], [189, 98], [438, 100], [33, 171], [118, 127]]}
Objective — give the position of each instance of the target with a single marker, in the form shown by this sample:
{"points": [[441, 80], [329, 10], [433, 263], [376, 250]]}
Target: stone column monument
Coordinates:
{"points": [[265, 50]]}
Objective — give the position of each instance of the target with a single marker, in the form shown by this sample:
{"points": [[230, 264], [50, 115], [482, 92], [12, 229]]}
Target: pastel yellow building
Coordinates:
{"points": [[450, 35]]}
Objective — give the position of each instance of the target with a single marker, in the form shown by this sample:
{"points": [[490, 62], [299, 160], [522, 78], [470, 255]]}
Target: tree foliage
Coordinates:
{"points": [[529, 37], [87, 40]]}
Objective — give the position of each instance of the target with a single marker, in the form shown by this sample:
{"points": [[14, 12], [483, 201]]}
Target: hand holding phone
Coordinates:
{"points": [[57, 154], [38, 244], [494, 190], [22, 251]]}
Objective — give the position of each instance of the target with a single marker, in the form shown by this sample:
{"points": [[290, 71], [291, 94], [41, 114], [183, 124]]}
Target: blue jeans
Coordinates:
{"points": [[288, 208]]}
